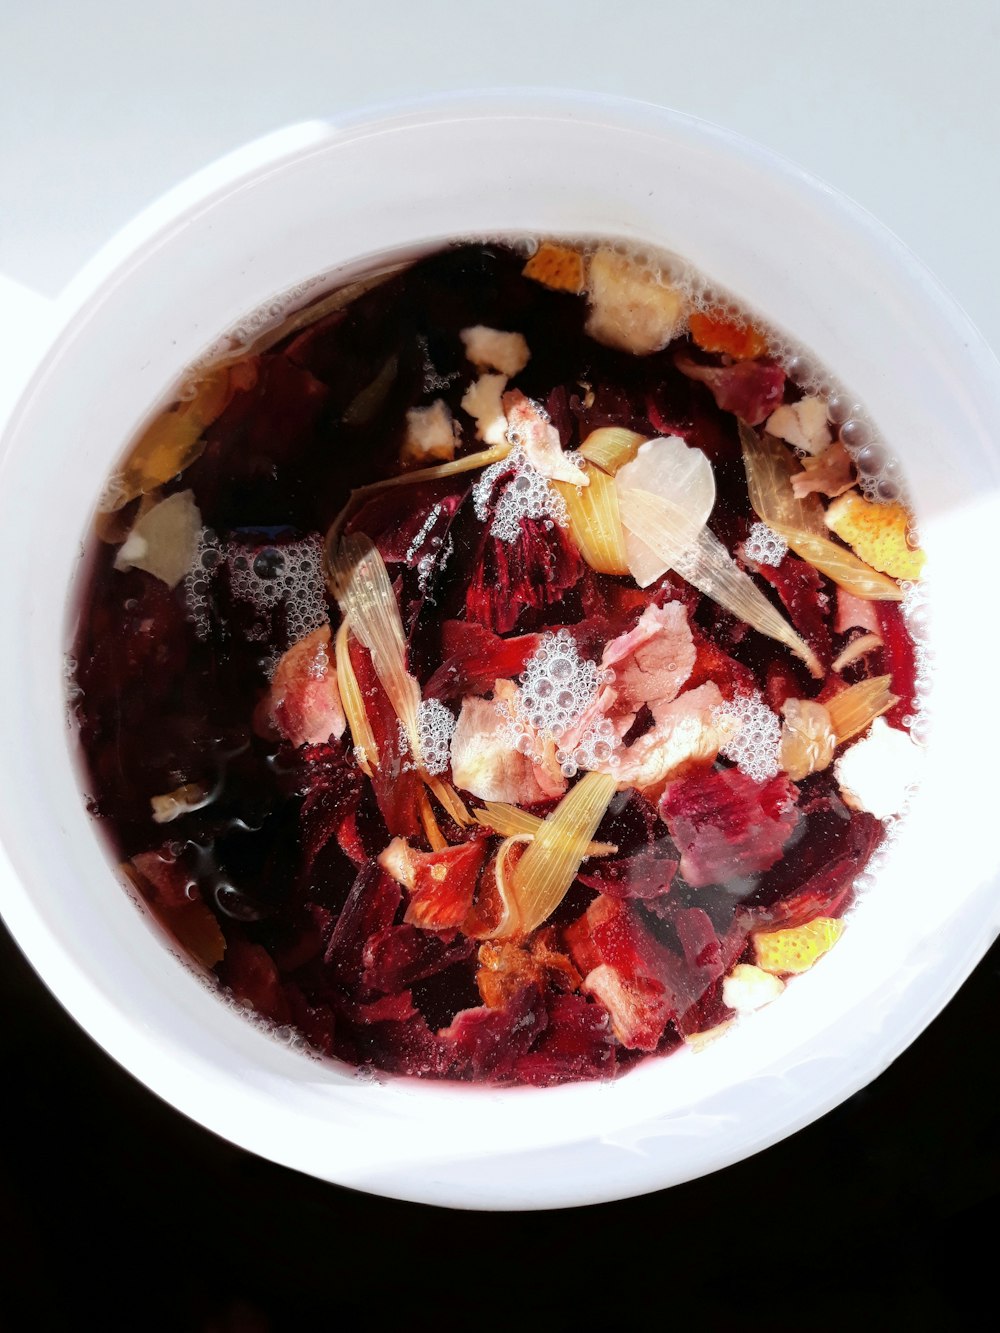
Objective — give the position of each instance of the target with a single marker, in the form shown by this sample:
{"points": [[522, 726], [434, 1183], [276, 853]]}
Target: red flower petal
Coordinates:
{"points": [[249, 972], [801, 590], [473, 657], [399, 956], [577, 1043], [371, 906], [750, 390], [726, 825], [445, 884], [485, 1043], [515, 579]]}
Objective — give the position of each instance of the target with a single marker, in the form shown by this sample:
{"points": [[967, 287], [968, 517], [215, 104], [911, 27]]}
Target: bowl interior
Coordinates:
{"points": [[346, 197]]}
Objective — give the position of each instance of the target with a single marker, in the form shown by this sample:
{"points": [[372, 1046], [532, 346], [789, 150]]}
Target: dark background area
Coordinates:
{"points": [[118, 1213]]}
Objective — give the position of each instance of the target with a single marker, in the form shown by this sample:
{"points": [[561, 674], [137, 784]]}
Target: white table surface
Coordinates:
{"points": [[106, 103]]}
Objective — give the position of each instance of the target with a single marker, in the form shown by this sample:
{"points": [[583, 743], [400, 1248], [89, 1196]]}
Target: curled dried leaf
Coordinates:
{"points": [[595, 523], [549, 866], [508, 820], [611, 447], [856, 649], [800, 520], [361, 585], [856, 708]]}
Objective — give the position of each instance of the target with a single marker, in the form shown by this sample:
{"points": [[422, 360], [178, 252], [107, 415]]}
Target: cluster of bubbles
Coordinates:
{"points": [[556, 689], [755, 742], [425, 563], [916, 613], [290, 575], [435, 724], [764, 546], [527, 494]]}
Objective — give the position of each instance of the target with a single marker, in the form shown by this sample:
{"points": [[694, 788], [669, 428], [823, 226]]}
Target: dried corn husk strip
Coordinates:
{"points": [[595, 523], [365, 748], [710, 568], [364, 592], [867, 643], [505, 866], [549, 866], [470, 463], [449, 799], [856, 708], [769, 468], [508, 820], [610, 447], [180, 801], [435, 837]]}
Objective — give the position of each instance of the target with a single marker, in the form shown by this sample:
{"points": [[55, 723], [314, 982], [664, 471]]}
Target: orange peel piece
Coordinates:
{"points": [[721, 332], [877, 534], [558, 267], [797, 948]]}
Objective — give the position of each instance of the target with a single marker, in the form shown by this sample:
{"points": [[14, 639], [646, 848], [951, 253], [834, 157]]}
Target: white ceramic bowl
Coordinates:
{"points": [[325, 199]]}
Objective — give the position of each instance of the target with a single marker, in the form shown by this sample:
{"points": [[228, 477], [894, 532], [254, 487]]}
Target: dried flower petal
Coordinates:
{"points": [[595, 523], [365, 749], [681, 480]]}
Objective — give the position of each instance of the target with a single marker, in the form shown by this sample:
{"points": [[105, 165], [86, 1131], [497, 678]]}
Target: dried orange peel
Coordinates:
{"points": [[797, 948], [558, 267], [877, 534], [720, 332]]}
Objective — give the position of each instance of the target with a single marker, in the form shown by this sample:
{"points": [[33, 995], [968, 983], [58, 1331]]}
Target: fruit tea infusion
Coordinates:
{"points": [[503, 669]]}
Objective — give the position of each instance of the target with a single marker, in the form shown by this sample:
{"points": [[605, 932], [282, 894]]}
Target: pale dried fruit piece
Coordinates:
{"points": [[808, 739], [688, 734], [529, 426], [595, 523], [797, 948], [181, 801], [877, 532], [682, 478], [556, 266], [856, 649], [484, 763], [303, 703], [495, 349], [855, 613], [164, 540], [829, 473], [803, 425], [631, 306], [483, 400], [748, 988], [651, 662], [878, 772], [431, 434], [698, 1041]]}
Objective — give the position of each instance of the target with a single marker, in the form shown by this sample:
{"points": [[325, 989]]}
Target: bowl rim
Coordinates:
{"points": [[61, 973]]}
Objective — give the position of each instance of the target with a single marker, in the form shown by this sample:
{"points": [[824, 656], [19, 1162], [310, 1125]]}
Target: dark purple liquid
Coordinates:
{"points": [[272, 878]]}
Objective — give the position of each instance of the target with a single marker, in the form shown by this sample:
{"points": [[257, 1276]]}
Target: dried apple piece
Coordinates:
{"points": [[632, 307], [164, 539]]}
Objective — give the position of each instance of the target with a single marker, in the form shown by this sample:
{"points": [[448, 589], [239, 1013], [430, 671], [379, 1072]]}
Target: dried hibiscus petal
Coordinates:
{"points": [[647, 874], [726, 825], [473, 657], [800, 588], [515, 580], [486, 1043], [399, 956], [751, 390], [577, 1043]]}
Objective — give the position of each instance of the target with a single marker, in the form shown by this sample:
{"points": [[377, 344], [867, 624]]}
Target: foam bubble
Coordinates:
{"points": [[764, 546], [435, 725], [756, 742], [526, 494]]}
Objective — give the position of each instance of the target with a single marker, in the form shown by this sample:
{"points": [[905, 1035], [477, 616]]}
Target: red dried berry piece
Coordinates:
{"points": [[577, 1044], [399, 956], [249, 972], [726, 825], [323, 814], [822, 874], [444, 885], [647, 874], [751, 390], [486, 1043], [316, 1021], [515, 579], [370, 907], [898, 659], [712, 664], [802, 593], [473, 657]]}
